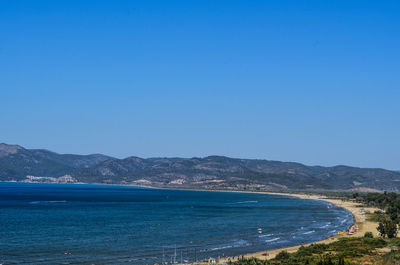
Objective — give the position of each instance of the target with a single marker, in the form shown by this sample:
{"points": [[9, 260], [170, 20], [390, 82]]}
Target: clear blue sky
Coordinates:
{"points": [[316, 82]]}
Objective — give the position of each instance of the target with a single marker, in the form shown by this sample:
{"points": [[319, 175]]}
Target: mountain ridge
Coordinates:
{"points": [[211, 172]]}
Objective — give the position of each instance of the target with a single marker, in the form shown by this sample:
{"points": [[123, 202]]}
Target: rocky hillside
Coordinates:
{"points": [[212, 172]]}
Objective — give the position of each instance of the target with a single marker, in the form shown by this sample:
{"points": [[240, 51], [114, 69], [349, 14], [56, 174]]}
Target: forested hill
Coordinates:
{"points": [[212, 172]]}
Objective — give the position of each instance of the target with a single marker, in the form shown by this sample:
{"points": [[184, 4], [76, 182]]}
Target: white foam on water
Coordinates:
{"points": [[219, 248], [267, 235], [245, 202], [272, 240], [241, 243], [326, 225]]}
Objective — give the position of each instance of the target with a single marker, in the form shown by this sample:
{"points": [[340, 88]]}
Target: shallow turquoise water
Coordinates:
{"points": [[100, 224]]}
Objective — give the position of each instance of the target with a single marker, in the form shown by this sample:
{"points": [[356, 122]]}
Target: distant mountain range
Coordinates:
{"points": [[212, 172]]}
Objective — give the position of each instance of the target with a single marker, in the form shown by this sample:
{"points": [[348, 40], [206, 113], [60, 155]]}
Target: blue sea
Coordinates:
{"points": [[100, 224]]}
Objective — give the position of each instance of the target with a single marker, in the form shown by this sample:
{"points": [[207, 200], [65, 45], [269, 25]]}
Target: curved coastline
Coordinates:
{"points": [[351, 207], [354, 208]]}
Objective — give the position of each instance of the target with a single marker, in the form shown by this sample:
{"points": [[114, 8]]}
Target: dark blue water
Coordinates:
{"points": [[98, 224]]}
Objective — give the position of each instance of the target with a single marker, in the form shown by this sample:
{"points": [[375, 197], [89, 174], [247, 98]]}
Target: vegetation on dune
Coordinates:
{"points": [[391, 258], [390, 203], [345, 251]]}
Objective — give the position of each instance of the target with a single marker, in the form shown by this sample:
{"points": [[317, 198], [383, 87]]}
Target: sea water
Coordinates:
{"points": [[101, 224]]}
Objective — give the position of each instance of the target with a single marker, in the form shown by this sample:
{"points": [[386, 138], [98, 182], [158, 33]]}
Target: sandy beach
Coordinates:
{"points": [[357, 210]]}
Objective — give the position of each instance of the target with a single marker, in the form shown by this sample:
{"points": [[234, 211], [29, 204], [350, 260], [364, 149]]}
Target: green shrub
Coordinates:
{"points": [[283, 255], [311, 249], [356, 247], [368, 234], [394, 242], [392, 258]]}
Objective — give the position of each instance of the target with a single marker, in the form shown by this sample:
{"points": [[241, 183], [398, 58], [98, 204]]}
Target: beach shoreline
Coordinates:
{"points": [[358, 211], [359, 219]]}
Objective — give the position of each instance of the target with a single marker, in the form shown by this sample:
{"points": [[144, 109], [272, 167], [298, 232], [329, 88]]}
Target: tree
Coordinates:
{"points": [[381, 229], [392, 211], [391, 229], [387, 228]]}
